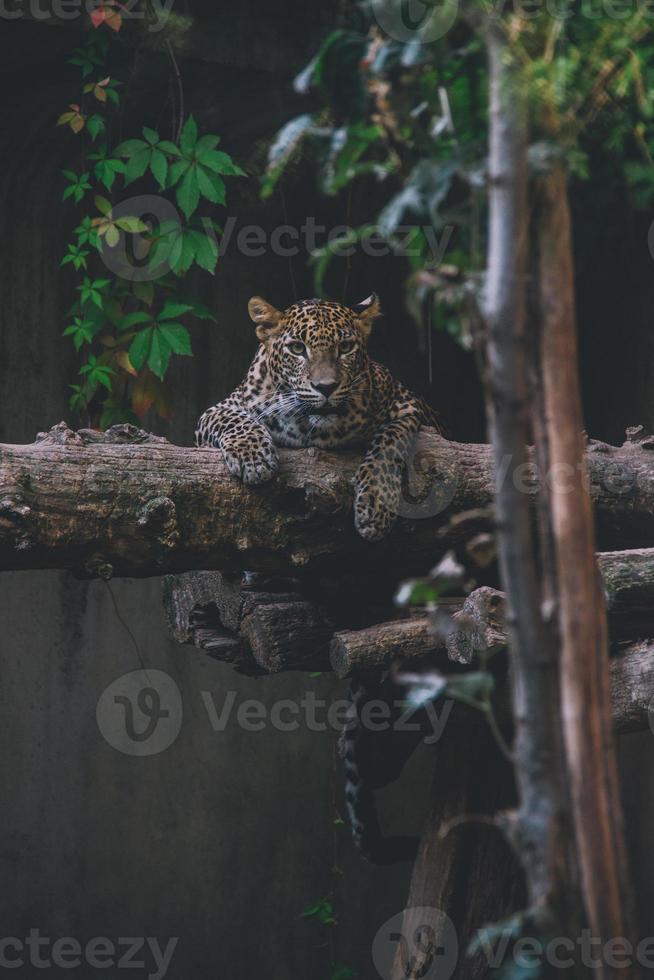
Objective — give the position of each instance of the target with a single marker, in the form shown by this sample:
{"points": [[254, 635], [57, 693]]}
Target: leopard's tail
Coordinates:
{"points": [[373, 760]]}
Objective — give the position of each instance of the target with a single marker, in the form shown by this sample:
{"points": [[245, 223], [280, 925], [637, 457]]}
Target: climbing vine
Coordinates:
{"points": [[129, 317]]}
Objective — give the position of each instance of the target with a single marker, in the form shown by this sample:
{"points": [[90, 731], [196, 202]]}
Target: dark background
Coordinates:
{"points": [[224, 839]]}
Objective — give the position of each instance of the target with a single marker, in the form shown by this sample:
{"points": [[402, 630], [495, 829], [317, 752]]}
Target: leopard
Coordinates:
{"points": [[312, 383]]}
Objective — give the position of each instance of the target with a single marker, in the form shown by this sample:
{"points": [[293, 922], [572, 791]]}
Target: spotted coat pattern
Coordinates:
{"points": [[312, 383]]}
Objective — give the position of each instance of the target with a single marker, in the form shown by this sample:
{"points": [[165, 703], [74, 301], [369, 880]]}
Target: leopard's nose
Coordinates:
{"points": [[327, 389]]}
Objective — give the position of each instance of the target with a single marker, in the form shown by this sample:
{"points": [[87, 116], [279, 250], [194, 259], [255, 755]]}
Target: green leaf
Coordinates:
{"points": [[136, 166], [208, 142], [103, 377], [159, 356], [133, 320], [103, 205], [95, 125], [202, 312], [172, 310], [140, 348], [206, 251], [159, 167], [189, 136], [145, 292], [211, 186], [167, 147], [177, 337], [220, 163], [151, 136], [188, 193], [186, 255], [112, 236], [132, 225], [130, 147], [177, 170]]}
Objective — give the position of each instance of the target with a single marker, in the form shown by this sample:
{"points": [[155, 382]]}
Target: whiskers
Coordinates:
{"points": [[289, 405]]}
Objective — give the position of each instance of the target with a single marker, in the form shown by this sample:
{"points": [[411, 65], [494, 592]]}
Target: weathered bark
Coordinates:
{"points": [[257, 631], [540, 831], [464, 876], [377, 646], [585, 693], [126, 503]]}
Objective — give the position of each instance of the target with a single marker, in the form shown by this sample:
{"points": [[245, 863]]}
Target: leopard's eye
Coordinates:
{"points": [[346, 346], [297, 348]]}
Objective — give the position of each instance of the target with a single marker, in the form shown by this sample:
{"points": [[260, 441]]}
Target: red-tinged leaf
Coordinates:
{"points": [[77, 123], [144, 393], [114, 20], [100, 94], [98, 17], [122, 359]]}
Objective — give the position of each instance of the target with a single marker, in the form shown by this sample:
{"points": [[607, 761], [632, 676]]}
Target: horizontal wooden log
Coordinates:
{"points": [[254, 628], [128, 503]]}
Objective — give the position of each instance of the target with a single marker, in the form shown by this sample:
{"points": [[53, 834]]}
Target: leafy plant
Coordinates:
{"points": [[127, 330], [406, 123], [323, 911]]}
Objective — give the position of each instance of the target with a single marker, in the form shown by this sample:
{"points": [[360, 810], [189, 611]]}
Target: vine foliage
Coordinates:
{"points": [[130, 317]]}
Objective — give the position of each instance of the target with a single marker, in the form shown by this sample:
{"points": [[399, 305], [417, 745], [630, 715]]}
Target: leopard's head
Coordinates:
{"points": [[317, 349]]}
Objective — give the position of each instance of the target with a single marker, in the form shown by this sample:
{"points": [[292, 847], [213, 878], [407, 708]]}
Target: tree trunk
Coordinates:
{"points": [[540, 830], [126, 503], [580, 607]]}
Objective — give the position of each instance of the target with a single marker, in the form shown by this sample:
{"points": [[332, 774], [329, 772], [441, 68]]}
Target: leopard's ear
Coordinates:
{"points": [[366, 313], [266, 318]]}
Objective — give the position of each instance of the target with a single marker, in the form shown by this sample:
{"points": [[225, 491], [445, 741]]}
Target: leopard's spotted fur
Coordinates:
{"points": [[312, 383]]}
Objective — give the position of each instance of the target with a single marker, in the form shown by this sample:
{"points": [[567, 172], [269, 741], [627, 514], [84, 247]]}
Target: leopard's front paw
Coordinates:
{"points": [[375, 503], [251, 464]]}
